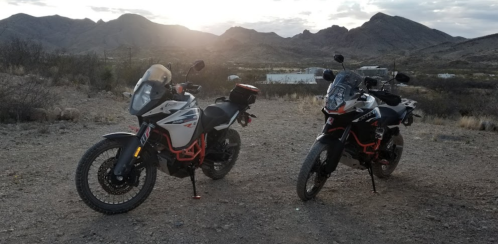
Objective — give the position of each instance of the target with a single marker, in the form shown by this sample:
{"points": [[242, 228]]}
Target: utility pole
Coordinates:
{"points": [[129, 56]]}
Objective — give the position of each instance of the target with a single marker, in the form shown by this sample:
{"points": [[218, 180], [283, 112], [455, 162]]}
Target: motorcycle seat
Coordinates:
{"points": [[217, 114]]}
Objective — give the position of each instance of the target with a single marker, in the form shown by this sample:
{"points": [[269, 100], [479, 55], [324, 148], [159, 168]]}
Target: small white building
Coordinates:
{"points": [[290, 78], [445, 76], [234, 78], [314, 70], [373, 70]]}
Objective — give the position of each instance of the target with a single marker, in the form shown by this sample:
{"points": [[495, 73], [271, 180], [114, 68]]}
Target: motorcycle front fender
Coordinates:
{"points": [[119, 136], [334, 151], [327, 139]]}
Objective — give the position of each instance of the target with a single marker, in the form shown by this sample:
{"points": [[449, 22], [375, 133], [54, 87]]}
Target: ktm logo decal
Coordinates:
{"points": [[188, 125]]}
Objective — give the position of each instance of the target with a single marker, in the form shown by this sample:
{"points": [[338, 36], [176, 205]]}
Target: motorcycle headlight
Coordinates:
{"points": [[335, 100], [142, 97]]}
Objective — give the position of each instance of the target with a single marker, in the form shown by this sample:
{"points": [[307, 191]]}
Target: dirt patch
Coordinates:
{"points": [[443, 191]]}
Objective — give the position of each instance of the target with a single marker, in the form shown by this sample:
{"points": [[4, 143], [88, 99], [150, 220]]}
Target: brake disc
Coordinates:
{"points": [[106, 182]]}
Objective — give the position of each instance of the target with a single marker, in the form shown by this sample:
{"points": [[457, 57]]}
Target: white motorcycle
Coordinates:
{"points": [[175, 136]]}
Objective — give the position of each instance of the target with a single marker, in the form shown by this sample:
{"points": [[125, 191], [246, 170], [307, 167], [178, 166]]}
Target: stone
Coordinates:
{"points": [[72, 114]]}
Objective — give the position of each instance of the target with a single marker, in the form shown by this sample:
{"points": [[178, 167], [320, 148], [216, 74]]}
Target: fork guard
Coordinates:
{"points": [[125, 159], [334, 152]]}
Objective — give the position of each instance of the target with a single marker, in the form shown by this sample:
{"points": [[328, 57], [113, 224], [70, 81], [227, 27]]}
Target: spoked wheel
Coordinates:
{"points": [[228, 152], [311, 177], [98, 187], [385, 170]]}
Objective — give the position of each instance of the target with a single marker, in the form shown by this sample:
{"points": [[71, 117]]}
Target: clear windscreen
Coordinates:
{"points": [[342, 89]]}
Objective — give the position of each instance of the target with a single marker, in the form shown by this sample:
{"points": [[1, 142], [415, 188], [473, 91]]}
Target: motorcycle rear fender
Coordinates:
{"points": [[334, 151]]}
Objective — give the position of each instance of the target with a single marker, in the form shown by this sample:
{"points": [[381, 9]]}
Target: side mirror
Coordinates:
{"points": [[339, 58], [400, 77], [328, 75], [198, 65]]}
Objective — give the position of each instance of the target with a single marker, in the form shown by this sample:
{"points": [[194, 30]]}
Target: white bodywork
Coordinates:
{"points": [[181, 126], [166, 107], [192, 101], [354, 104], [370, 103], [224, 126]]}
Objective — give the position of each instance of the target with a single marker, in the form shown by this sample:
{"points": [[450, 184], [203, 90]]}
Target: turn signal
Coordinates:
{"points": [[137, 152]]}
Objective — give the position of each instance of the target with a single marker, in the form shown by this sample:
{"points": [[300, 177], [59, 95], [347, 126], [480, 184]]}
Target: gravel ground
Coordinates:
{"points": [[443, 191]]}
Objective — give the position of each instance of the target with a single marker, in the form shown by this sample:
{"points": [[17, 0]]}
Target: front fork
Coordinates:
{"points": [[335, 146], [131, 151]]}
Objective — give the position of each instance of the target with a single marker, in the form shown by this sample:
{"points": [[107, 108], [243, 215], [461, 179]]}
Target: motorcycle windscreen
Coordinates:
{"points": [[181, 126], [157, 72], [341, 90]]}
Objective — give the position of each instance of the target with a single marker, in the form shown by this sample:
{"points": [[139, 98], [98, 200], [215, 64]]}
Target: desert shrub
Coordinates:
{"points": [[310, 105], [17, 52], [300, 89], [21, 98], [455, 99], [478, 123], [455, 85]]}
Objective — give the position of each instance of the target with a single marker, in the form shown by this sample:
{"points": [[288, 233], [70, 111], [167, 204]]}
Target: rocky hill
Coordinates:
{"points": [[85, 35], [380, 36], [483, 50]]}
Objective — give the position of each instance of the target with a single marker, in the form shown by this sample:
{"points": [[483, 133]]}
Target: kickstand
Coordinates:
{"points": [[370, 171], [192, 178]]}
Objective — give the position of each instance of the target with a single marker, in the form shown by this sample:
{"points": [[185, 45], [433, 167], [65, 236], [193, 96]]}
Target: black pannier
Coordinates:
{"points": [[243, 94]]}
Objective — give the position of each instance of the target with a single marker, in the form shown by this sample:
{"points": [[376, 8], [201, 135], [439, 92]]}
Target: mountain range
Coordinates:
{"points": [[381, 36]]}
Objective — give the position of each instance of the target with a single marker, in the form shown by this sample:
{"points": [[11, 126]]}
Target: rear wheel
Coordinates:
{"points": [[311, 177], [385, 170], [98, 187], [227, 152]]}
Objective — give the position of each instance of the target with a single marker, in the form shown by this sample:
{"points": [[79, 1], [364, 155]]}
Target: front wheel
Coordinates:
{"points": [[312, 177], [395, 148], [227, 152], [98, 187]]}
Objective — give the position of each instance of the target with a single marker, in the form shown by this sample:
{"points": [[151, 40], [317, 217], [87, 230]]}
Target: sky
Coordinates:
{"points": [[287, 18]]}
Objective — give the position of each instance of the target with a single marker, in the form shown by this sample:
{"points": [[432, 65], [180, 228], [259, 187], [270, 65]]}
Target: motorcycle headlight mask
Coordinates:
{"points": [[141, 97]]}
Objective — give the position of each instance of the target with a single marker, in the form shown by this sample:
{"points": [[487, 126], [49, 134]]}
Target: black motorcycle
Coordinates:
{"points": [[360, 130]]}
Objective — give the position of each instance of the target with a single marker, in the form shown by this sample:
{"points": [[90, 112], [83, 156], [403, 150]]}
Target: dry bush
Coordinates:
{"points": [[435, 120], [298, 89], [475, 123], [310, 105], [23, 99]]}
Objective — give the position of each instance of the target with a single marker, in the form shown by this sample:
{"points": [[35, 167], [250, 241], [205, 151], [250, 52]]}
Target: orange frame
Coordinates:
{"points": [[189, 153], [374, 145]]}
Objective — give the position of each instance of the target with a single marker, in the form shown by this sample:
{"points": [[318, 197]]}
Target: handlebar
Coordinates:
{"points": [[192, 88]]}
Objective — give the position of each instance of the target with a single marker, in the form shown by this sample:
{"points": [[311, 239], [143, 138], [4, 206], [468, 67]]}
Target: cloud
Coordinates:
{"points": [[348, 10], [33, 2], [147, 14], [458, 18], [307, 13]]}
